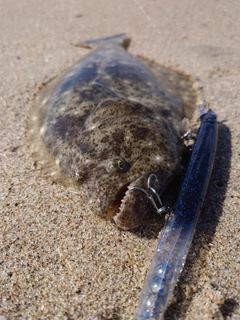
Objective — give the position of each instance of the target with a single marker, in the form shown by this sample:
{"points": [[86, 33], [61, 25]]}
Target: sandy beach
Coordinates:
{"points": [[58, 262]]}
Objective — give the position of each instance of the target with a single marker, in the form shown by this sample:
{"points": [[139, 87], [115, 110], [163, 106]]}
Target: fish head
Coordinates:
{"points": [[124, 143]]}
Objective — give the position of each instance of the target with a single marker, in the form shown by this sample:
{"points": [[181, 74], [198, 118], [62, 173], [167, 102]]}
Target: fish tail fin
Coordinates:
{"points": [[120, 39]]}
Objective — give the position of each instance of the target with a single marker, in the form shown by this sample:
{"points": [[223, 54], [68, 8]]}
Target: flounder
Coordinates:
{"points": [[108, 123]]}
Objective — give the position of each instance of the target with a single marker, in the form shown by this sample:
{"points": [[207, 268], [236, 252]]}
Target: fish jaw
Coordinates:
{"points": [[132, 203], [123, 202], [133, 208]]}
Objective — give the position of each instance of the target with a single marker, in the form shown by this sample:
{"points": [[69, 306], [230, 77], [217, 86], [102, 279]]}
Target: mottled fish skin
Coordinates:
{"points": [[106, 122]]}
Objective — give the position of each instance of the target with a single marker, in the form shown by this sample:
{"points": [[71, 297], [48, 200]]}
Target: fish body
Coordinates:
{"points": [[109, 122]]}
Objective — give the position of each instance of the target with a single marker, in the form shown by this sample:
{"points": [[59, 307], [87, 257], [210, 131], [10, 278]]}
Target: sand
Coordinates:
{"points": [[57, 262]]}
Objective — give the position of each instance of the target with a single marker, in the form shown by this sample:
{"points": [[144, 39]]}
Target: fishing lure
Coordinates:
{"points": [[177, 235]]}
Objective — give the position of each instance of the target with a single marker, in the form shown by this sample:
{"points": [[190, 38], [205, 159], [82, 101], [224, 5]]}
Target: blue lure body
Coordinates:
{"points": [[177, 235]]}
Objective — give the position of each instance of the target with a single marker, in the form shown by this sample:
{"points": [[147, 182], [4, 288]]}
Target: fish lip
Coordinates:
{"points": [[114, 207]]}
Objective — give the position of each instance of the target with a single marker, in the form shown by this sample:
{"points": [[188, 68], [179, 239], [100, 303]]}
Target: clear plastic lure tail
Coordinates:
{"points": [[178, 231]]}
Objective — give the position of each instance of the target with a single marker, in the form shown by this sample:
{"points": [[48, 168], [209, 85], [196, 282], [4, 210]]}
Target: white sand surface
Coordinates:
{"points": [[56, 262]]}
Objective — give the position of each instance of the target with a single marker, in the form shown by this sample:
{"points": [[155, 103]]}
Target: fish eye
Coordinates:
{"points": [[122, 166], [80, 174]]}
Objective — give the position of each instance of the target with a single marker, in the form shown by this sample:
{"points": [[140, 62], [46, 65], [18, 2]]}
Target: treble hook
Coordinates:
{"points": [[151, 192]]}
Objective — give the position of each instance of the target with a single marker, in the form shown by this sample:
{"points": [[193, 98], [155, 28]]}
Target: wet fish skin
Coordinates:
{"points": [[103, 124]]}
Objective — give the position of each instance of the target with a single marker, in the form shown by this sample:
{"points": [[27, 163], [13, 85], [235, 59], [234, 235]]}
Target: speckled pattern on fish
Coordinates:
{"points": [[109, 120]]}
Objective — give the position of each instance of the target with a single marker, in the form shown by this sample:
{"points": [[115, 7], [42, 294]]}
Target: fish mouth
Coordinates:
{"points": [[115, 206], [128, 207]]}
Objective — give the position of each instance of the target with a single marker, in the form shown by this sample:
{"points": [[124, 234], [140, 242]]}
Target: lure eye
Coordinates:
{"points": [[122, 166]]}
